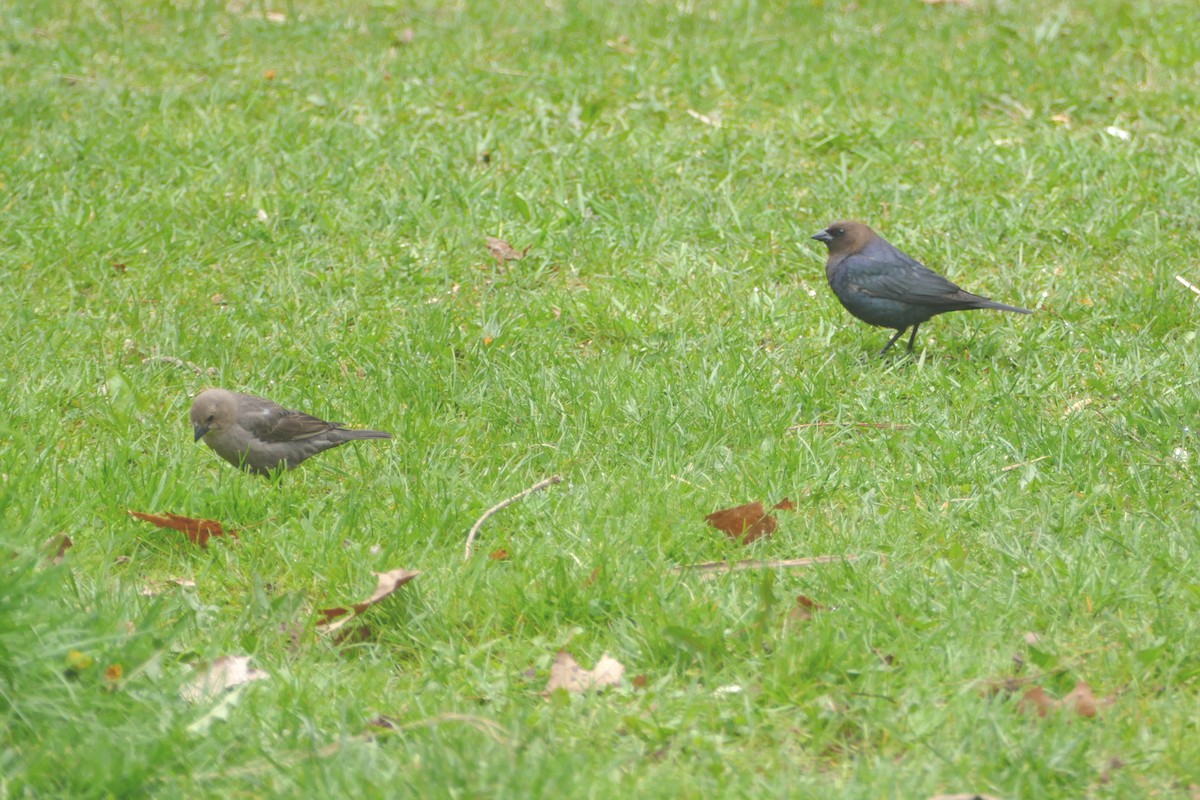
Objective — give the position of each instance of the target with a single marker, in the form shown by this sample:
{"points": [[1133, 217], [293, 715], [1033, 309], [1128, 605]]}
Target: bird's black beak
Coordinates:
{"points": [[200, 431], [822, 236]]}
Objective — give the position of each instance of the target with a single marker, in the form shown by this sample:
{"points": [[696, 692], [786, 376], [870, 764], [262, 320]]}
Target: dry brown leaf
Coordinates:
{"points": [[56, 548], [1036, 701], [803, 610], [502, 251], [746, 523], [640, 681], [199, 531], [224, 673], [1081, 700], [567, 674], [498, 555], [386, 583]]}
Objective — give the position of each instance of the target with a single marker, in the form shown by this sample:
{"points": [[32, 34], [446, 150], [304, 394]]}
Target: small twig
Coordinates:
{"points": [[890, 426], [1184, 281], [1011, 467], [537, 487], [722, 567]]}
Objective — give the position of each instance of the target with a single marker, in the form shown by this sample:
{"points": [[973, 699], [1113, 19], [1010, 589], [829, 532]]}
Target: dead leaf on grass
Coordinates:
{"points": [[748, 522], [502, 251], [566, 674], [803, 610], [198, 531], [156, 588], [1081, 700], [967, 796], [56, 548], [386, 583], [1036, 701], [225, 673]]}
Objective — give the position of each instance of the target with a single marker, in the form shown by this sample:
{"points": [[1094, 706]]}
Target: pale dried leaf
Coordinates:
{"points": [[502, 251], [566, 674], [224, 673], [385, 584]]}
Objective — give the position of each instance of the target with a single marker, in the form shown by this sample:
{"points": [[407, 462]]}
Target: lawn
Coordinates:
{"points": [[294, 200]]}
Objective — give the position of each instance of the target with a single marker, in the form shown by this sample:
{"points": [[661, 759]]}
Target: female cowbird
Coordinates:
{"points": [[882, 286], [260, 436]]}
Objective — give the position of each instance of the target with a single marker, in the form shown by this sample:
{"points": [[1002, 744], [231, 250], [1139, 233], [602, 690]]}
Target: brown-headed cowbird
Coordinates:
{"points": [[260, 436], [885, 287]]}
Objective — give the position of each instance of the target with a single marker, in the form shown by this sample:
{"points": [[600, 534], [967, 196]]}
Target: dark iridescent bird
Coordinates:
{"points": [[885, 287], [260, 436]]}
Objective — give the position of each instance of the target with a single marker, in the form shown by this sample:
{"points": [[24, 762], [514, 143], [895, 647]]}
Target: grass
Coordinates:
{"points": [[665, 163]]}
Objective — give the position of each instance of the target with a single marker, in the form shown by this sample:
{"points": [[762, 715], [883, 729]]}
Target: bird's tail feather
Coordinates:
{"points": [[1003, 307], [348, 435]]}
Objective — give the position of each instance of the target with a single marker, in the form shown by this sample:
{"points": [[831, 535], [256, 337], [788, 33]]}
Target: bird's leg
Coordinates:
{"points": [[912, 338], [892, 341]]}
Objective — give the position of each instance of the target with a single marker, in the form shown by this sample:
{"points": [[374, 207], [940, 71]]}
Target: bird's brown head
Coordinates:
{"points": [[213, 410], [845, 237]]}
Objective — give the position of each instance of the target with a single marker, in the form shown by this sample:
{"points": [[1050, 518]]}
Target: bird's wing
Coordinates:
{"points": [[269, 422], [903, 279]]}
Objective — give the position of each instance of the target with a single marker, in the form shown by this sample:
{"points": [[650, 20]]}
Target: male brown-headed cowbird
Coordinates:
{"points": [[882, 286], [259, 436]]}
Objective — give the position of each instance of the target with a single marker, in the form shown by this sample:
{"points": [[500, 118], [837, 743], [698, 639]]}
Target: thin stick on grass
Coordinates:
{"points": [[890, 426], [537, 487], [722, 567], [1185, 282], [1011, 467]]}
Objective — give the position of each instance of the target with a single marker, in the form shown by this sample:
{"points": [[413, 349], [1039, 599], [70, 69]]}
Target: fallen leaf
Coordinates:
{"points": [[498, 555], [803, 610], [225, 673], [56, 548], [1035, 700], [1081, 700], [199, 531], [114, 673], [117, 266], [156, 588], [502, 251], [218, 299], [640, 681], [269, 74], [386, 723], [968, 795], [385, 584], [959, 3], [566, 674], [746, 523]]}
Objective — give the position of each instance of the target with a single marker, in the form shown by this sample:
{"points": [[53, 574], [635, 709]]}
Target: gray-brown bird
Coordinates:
{"points": [[885, 287], [260, 436]]}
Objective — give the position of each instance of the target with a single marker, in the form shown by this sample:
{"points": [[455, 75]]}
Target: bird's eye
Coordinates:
{"points": [[840, 232], [210, 418]]}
